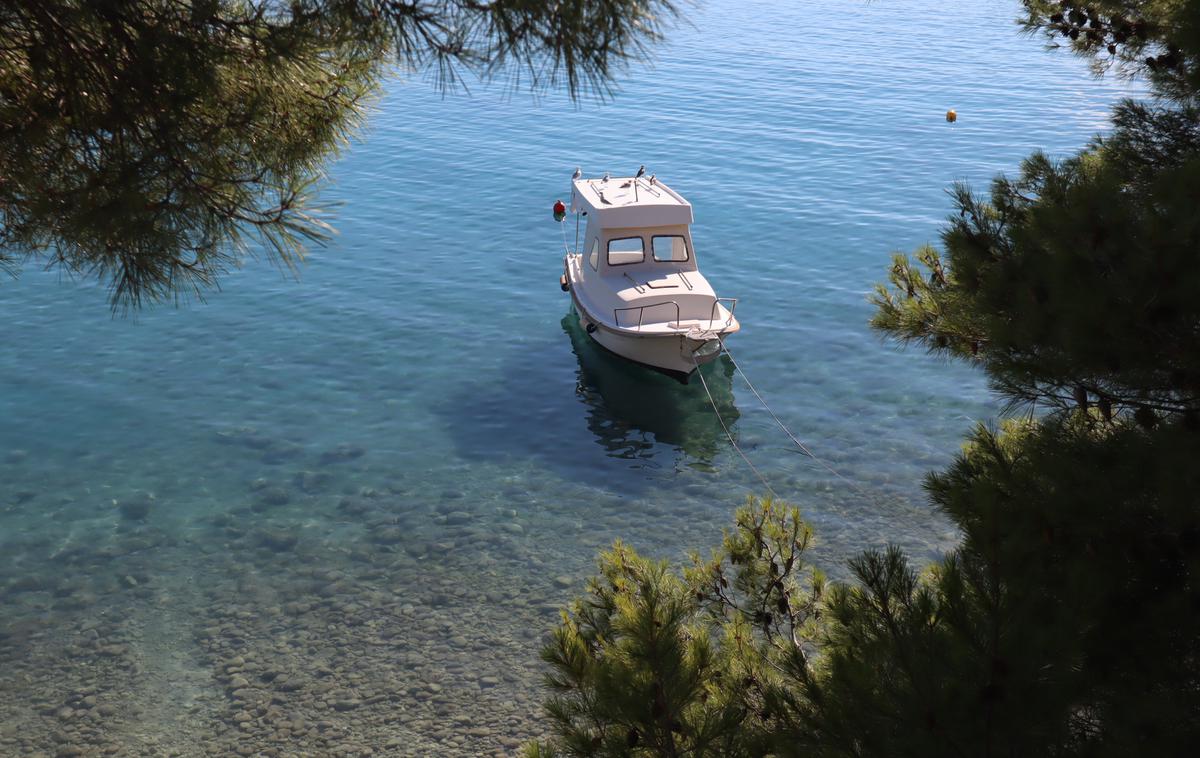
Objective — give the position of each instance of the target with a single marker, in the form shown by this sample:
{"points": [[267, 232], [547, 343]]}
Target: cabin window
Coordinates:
{"points": [[594, 258], [626, 250], [669, 248]]}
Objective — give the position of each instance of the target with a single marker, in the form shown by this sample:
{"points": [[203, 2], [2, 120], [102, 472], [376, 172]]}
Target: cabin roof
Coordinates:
{"points": [[626, 202]]}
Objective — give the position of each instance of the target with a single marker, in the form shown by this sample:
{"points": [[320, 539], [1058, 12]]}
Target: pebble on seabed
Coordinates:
{"points": [[301, 644], [336, 617]]}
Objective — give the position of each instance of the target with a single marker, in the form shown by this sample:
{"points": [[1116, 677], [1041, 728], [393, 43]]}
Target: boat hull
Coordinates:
{"points": [[676, 355]]}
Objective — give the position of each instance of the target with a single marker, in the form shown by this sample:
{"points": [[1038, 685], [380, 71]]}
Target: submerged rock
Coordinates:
{"points": [[352, 506], [276, 539], [271, 497], [136, 507], [313, 482], [31, 582], [342, 453], [281, 452], [457, 518], [387, 535]]}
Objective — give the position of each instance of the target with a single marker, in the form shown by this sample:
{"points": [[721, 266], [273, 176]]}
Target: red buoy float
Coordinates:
{"points": [[560, 210]]}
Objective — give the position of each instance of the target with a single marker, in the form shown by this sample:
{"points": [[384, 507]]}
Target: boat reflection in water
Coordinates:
{"points": [[631, 407]]}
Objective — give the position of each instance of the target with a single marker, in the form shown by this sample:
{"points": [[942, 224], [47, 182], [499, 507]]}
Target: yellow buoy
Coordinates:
{"points": [[952, 116]]}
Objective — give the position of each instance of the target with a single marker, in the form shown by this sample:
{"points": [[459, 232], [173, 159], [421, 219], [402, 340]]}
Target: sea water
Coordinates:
{"points": [[336, 513]]}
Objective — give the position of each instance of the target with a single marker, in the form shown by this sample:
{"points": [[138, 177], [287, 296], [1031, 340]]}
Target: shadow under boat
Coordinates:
{"points": [[642, 419], [631, 407]]}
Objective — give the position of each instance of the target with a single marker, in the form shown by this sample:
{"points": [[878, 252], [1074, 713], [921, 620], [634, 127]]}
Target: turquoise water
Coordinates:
{"points": [[336, 513]]}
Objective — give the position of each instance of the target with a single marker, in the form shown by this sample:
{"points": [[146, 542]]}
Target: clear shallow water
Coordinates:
{"points": [[397, 467]]}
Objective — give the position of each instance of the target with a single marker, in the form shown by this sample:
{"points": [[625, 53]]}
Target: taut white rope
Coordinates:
{"points": [[803, 448], [728, 434]]}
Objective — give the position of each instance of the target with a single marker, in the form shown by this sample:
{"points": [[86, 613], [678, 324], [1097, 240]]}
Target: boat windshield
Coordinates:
{"points": [[626, 250], [669, 248]]}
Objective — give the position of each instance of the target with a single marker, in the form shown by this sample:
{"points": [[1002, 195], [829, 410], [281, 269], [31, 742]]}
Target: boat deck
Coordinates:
{"points": [[672, 304]]}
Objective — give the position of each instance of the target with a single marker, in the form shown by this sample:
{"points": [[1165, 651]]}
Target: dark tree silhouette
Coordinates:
{"points": [[149, 143], [1067, 622]]}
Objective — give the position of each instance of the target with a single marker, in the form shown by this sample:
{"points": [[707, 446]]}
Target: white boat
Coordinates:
{"points": [[634, 281]]}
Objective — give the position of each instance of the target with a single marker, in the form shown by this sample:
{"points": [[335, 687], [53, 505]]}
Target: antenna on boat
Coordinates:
{"points": [[640, 173], [574, 177]]}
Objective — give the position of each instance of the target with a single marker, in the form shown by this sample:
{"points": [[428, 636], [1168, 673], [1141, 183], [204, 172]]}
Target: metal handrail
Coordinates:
{"points": [[712, 315], [641, 309], [732, 307]]}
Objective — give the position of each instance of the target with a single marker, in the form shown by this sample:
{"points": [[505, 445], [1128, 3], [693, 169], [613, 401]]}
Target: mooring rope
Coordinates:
{"points": [[728, 434], [803, 448], [788, 432]]}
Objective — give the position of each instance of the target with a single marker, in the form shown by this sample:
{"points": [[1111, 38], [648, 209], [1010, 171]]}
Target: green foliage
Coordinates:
{"points": [[1159, 39], [657, 663], [631, 670], [148, 143], [1067, 622], [899, 676], [1093, 535], [1077, 283]]}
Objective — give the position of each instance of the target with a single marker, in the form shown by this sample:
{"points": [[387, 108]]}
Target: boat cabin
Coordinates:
{"points": [[636, 259], [634, 278], [633, 226]]}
